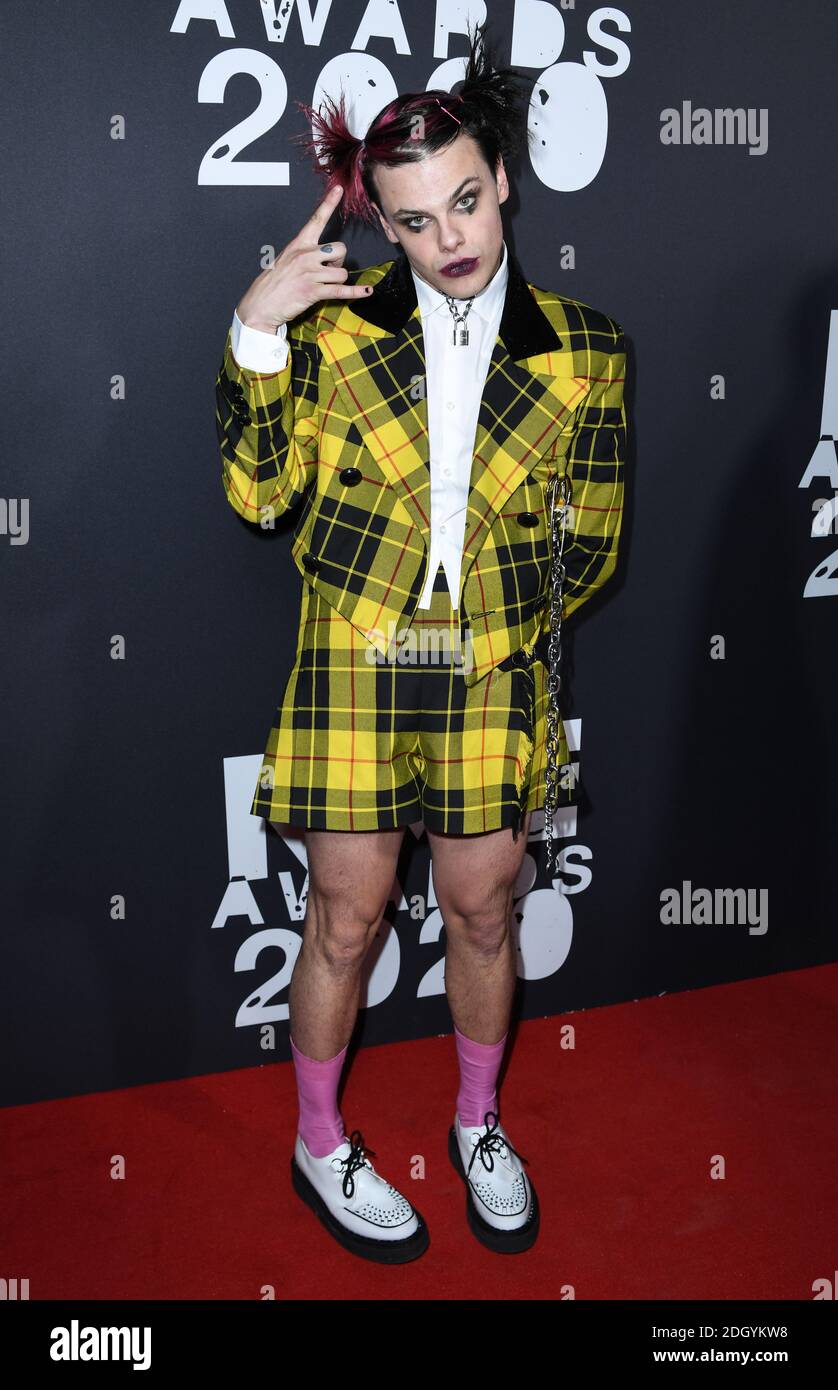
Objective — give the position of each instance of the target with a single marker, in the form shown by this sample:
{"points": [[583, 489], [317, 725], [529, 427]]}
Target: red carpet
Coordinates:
{"points": [[620, 1135]]}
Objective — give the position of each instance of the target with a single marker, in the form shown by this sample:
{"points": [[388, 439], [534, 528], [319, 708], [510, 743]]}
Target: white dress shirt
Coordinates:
{"points": [[455, 377]]}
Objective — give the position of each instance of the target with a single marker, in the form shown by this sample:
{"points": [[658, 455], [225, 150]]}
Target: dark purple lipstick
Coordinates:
{"points": [[456, 268]]}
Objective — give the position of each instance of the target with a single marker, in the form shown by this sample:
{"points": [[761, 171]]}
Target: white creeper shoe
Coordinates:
{"points": [[501, 1202], [364, 1213]]}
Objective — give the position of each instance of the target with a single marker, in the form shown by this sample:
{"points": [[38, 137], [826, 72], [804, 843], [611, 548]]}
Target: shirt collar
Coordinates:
{"points": [[487, 303]]}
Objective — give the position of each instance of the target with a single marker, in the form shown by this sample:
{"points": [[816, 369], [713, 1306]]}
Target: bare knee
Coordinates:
{"points": [[474, 878], [485, 923], [341, 927], [350, 881]]}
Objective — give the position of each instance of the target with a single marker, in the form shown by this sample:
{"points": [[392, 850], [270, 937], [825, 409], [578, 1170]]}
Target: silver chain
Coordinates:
{"points": [[558, 522], [460, 326]]}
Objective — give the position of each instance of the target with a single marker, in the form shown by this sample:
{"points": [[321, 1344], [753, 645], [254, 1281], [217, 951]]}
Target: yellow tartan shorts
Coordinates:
{"points": [[361, 743]]}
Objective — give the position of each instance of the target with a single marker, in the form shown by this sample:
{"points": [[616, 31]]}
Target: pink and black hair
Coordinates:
{"points": [[417, 124]]}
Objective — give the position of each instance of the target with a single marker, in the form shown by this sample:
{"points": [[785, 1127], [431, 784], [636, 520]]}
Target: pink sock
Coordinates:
{"points": [[320, 1124], [479, 1066]]}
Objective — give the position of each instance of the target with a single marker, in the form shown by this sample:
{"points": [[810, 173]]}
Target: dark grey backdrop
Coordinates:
{"points": [[126, 778]]}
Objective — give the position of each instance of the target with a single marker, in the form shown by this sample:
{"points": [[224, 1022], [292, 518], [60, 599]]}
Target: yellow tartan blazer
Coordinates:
{"points": [[344, 428]]}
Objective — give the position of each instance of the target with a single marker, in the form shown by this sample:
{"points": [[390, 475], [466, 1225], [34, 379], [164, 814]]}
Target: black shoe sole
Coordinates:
{"points": [[386, 1252], [512, 1242]]}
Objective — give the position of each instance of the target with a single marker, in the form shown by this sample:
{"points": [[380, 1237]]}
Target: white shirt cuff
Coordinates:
{"points": [[257, 351]]}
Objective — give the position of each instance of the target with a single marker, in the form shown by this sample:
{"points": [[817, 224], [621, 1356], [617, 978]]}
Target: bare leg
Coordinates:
{"points": [[350, 877], [474, 878]]}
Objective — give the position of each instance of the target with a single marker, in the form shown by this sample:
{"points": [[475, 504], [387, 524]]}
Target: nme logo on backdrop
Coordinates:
{"points": [[568, 110], [402, 952], [823, 467]]}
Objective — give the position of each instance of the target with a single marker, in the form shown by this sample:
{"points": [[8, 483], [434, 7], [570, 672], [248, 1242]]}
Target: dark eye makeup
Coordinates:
{"points": [[407, 221]]}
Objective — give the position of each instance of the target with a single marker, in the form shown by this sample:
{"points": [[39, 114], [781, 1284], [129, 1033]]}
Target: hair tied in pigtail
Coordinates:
{"points": [[489, 90], [338, 155]]}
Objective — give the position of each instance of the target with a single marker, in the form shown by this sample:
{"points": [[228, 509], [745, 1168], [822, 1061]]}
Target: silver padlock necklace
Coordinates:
{"points": [[460, 327]]}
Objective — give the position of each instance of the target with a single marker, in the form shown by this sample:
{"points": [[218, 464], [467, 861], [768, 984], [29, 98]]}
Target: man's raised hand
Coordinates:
{"points": [[302, 275]]}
